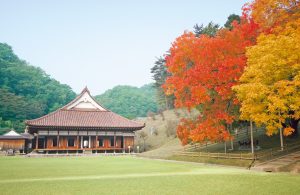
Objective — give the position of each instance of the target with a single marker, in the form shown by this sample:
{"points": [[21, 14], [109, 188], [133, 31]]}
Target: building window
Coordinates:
{"points": [[71, 142], [101, 143], [54, 142]]}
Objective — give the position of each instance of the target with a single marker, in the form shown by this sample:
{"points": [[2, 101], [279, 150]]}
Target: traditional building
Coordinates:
{"points": [[83, 125], [15, 141]]}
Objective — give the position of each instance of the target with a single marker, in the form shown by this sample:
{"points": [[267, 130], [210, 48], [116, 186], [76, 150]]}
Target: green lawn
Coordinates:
{"points": [[130, 175]]}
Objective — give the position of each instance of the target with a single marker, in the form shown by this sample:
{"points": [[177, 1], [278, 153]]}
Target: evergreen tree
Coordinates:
{"points": [[159, 75], [211, 29], [230, 19]]}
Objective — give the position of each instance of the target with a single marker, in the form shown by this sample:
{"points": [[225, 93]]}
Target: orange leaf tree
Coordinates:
{"points": [[272, 14], [203, 70]]}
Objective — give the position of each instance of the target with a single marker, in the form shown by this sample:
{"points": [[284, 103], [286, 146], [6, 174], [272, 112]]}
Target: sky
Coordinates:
{"points": [[103, 43]]}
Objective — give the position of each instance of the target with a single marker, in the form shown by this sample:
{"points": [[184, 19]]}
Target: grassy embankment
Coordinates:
{"points": [[161, 132], [159, 145]]}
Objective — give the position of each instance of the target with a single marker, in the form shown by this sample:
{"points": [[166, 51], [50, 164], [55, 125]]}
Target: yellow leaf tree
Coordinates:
{"points": [[269, 89]]}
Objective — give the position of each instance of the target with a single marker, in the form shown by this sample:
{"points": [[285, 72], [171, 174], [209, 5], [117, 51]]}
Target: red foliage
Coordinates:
{"points": [[203, 71]]}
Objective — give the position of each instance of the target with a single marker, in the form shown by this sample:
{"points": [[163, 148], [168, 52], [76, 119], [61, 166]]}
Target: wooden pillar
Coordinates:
{"points": [[115, 142], [77, 141], [124, 144], [97, 144], [57, 141], [37, 141], [89, 141]]}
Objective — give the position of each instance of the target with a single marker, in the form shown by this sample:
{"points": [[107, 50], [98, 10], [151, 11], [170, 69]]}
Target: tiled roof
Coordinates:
{"points": [[92, 117], [11, 137], [14, 135], [81, 118]]}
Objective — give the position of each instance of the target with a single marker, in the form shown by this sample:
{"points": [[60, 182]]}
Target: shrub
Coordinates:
{"points": [[161, 112], [143, 135], [153, 131], [177, 113], [171, 127], [151, 115]]}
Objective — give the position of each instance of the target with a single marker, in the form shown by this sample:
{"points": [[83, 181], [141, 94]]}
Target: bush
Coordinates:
{"points": [[143, 135], [161, 112], [171, 127], [151, 115], [153, 131], [177, 113]]}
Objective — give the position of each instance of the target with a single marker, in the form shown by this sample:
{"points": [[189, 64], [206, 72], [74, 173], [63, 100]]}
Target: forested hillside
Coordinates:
{"points": [[130, 101], [26, 91]]}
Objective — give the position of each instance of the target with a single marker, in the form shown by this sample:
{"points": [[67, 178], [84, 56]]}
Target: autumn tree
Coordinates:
{"points": [[203, 71], [160, 73], [272, 14], [270, 86]]}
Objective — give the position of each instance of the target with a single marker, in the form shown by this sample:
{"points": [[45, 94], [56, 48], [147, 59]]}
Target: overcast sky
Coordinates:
{"points": [[102, 44]]}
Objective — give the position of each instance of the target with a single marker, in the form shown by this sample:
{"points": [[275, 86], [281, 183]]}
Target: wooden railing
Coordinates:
{"points": [[261, 156], [277, 151], [237, 137], [242, 156]]}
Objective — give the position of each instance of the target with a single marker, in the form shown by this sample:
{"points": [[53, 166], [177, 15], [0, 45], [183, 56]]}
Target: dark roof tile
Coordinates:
{"points": [[76, 118]]}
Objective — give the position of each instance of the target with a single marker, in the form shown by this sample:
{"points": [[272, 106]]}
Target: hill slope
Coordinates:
{"points": [[160, 133], [26, 91]]}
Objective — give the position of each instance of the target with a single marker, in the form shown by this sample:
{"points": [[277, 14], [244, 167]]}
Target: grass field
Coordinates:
{"points": [[130, 175]]}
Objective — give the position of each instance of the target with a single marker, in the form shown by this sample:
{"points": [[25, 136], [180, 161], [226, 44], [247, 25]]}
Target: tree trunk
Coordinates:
{"points": [[167, 104], [281, 138], [251, 134], [231, 139]]}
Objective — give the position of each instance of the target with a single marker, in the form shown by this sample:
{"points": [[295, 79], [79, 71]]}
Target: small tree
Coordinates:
{"points": [[143, 135], [177, 113], [153, 131], [230, 19], [211, 29], [171, 128], [161, 112], [151, 115]]}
